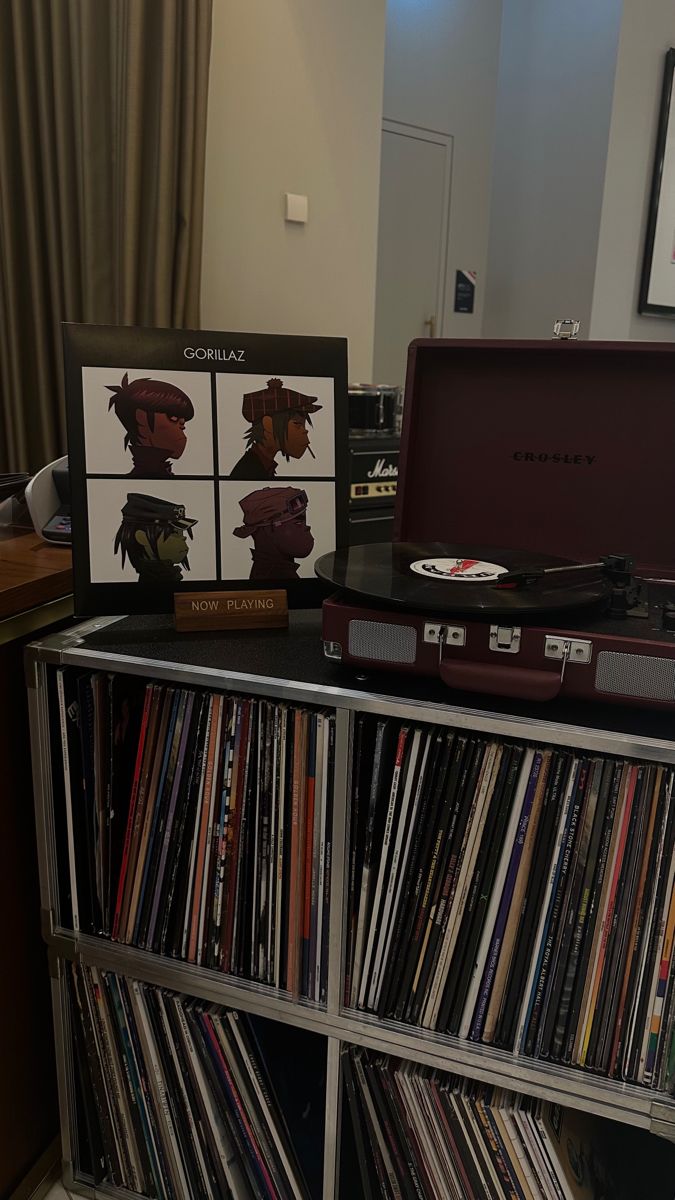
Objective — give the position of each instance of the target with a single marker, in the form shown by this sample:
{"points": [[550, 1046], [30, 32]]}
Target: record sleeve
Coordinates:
{"points": [[368, 984], [467, 799], [569, 907], [358, 1124], [414, 1162], [581, 934], [619, 966], [149, 881], [267, 1102], [224, 1087], [381, 772], [81, 1001], [180, 848], [202, 1175], [208, 1153], [127, 1095], [220, 1138], [159, 1167], [356, 838], [412, 771], [149, 754], [488, 1174], [307, 865], [534, 981], [486, 868], [502, 895], [131, 810], [532, 902], [596, 905], [160, 890], [399, 1177], [616, 858], [179, 1119], [461, 889], [252, 1112], [390, 991], [417, 900], [460, 1158], [127, 703], [444, 845], [378, 1149]]}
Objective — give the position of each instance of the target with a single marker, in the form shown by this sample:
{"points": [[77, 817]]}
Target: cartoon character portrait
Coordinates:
{"points": [[278, 419], [276, 519], [153, 537], [154, 414]]}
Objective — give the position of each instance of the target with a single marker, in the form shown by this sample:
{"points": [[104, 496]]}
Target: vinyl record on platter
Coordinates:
{"points": [[479, 580]]}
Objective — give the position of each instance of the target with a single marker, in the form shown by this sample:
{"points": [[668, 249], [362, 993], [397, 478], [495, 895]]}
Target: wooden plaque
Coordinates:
{"points": [[230, 610]]}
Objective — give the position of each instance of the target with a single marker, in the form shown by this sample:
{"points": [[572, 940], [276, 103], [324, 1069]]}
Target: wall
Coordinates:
{"points": [[647, 32], [441, 74], [295, 105], [554, 104]]}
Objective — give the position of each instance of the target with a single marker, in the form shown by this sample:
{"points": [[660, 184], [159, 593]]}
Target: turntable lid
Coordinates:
{"points": [[563, 447]]}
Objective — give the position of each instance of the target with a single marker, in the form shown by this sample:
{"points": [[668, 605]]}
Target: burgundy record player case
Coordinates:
{"points": [[560, 448]]}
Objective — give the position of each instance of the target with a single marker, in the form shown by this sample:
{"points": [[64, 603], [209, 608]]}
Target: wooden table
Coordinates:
{"points": [[32, 573], [35, 587]]}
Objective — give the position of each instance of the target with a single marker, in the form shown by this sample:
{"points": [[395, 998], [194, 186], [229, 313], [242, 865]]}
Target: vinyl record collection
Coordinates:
{"points": [[178, 1104], [420, 1134], [519, 896], [198, 825]]}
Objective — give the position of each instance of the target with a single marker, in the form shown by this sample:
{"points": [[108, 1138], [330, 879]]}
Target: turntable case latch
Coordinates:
{"points": [[505, 638]]}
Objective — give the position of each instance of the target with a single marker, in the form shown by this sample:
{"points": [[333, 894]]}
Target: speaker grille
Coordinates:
{"points": [[635, 675], [384, 643]]}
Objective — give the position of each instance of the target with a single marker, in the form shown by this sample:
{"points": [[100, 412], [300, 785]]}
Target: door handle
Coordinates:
{"points": [[430, 323]]}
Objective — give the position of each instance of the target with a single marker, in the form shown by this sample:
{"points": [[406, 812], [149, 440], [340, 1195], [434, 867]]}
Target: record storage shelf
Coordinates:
{"points": [[290, 667]]}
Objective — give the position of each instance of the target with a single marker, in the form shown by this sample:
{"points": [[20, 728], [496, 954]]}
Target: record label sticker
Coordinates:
{"points": [[468, 570]]}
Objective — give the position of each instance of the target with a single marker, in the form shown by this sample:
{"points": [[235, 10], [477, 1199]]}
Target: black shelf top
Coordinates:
{"points": [[296, 655]]}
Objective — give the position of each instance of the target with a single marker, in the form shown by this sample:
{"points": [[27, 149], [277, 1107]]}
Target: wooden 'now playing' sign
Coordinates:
{"points": [[231, 610]]}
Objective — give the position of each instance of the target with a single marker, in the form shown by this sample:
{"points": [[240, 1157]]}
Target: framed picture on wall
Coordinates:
{"points": [[657, 287], [202, 461]]}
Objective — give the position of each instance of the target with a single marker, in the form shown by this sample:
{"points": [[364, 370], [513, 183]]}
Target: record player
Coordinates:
{"points": [[534, 533]]}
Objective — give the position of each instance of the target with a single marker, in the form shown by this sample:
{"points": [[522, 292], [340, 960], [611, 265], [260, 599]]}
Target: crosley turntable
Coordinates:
{"points": [[562, 449]]}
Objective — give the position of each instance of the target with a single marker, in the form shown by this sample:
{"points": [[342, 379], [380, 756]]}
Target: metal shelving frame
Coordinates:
{"points": [[569, 1086]]}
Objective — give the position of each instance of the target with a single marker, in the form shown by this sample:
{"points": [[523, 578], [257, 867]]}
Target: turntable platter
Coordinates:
{"points": [[463, 580]]}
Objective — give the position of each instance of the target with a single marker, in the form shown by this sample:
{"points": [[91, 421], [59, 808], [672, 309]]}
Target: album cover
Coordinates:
{"points": [[202, 461]]}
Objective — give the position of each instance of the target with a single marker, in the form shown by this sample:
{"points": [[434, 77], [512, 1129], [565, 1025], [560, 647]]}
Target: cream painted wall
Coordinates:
{"points": [[554, 111], [647, 32], [441, 73], [295, 105]]}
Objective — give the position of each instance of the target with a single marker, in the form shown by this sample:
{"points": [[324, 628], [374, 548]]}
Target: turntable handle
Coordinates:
{"points": [[520, 683]]}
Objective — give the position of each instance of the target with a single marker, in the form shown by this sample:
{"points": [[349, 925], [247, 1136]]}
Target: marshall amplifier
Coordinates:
{"points": [[373, 472]]}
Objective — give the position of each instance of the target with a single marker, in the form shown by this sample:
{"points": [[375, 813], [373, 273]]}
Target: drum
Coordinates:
{"points": [[374, 410]]}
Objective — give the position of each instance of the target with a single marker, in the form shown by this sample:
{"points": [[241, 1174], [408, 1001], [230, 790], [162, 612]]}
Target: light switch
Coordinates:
{"points": [[296, 208]]}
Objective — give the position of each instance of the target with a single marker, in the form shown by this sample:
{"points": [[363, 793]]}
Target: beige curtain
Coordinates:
{"points": [[102, 141]]}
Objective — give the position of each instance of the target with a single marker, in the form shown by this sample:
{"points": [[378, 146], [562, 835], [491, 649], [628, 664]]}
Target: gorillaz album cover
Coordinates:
{"points": [[202, 461]]}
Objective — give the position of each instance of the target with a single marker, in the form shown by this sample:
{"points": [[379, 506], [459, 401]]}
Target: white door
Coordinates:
{"points": [[412, 244]]}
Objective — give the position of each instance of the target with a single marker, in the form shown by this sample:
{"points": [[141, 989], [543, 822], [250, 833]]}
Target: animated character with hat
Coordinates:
{"points": [[276, 519], [152, 536], [154, 413], [278, 419]]}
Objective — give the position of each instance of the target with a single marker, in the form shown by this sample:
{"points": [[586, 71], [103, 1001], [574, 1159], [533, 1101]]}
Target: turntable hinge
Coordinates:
{"points": [[574, 650], [451, 635], [566, 330]]}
